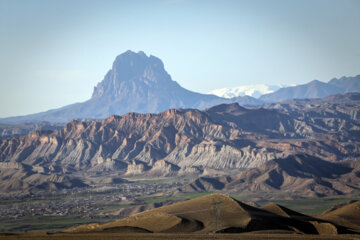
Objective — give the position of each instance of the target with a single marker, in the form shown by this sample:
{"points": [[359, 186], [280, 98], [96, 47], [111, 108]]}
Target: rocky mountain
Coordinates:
{"points": [[190, 142], [246, 90], [136, 142], [315, 89], [294, 176], [135, 83], [216, 213], [277, 93]]}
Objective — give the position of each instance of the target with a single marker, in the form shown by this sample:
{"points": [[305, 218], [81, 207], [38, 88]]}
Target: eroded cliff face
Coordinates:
{"points": [[295, 176], [180, 142]]}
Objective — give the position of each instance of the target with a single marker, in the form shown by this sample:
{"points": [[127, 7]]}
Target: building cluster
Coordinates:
{"points": [[87, 203]]}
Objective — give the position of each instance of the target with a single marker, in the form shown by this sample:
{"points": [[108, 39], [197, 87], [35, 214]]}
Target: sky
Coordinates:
{"points": [[53, 52]]}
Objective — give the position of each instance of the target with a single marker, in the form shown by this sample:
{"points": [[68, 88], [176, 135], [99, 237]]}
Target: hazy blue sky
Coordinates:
{"points": [[52, 53]]}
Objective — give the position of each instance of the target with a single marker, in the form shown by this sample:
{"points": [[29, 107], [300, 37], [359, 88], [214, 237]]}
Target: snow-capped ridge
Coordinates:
{"points": [[255, 90]]}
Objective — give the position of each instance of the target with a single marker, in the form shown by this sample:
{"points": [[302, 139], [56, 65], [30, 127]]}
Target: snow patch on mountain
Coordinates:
{"points": [[255, 90]]}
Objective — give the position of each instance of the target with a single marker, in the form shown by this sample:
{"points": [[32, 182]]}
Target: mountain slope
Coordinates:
{"points": [[314, 89], [348, 84]]}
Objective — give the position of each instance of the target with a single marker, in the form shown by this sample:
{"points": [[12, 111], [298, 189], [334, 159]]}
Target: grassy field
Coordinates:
{"points": [[43, 223], [158, 236]]}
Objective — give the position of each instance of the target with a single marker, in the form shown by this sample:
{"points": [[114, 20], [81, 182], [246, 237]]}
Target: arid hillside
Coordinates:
{"points": [[181, 142], [296, 176]]}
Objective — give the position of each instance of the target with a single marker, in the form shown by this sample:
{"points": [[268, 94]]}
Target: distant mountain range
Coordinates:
{"points": [[278, 93], [139, 83], [315, 89]]}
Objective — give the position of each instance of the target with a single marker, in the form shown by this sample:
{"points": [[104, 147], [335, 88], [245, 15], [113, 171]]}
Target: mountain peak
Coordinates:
{"points": [[135, 61], [315, 82], [129, 52], [129, 56], [141, 53], [128, 71]]}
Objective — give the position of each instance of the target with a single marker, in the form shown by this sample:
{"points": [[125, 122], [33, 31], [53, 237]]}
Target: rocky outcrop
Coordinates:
{"points": [[226, 136]]}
